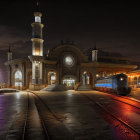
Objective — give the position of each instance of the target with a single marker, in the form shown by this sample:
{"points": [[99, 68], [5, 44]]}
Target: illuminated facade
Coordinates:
{"points": [[37, 52], [65, 64], [134, 79]]}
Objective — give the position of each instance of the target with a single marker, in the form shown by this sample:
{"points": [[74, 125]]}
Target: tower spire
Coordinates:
{"points": [[37, 50], [37, 6], [9, 48], [9, 53], [95, 48], [94, 54]]}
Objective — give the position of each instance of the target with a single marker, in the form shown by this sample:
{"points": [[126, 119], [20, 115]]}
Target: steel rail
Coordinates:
{"points": [[55, 116], [47, 137], [124, 101], [132, 99], [125, 97], [46, 105], [26, 118], [43, 125], [108, 112]]}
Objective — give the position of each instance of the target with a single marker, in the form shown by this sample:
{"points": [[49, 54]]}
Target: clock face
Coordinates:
{"points": [[69, 61], [37, 19]]}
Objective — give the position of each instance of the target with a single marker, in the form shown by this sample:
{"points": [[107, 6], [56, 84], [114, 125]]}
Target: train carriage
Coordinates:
{"points": [[116, 84]]}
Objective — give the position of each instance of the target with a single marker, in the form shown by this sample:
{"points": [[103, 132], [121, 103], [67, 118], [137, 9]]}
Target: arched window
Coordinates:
{"points": [[139, 82], [18, 78], [51, 78], [86, 78], [135, 80]]}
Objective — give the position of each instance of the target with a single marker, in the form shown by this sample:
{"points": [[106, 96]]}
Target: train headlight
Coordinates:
{"points": [[121, 79]]}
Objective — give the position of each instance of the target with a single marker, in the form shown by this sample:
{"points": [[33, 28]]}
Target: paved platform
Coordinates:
{"points": [[135, 93], [72, 115], [77, 115]]}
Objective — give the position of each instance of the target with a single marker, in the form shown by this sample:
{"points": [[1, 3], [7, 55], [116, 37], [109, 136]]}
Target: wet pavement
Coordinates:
{"points": [[65, 115], [135, 93], [77, 115], [12, 105]]}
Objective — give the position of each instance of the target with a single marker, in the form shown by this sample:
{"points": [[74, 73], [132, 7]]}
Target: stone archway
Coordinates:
{"points": [[18, 79], [135, 82], [69, 81], [51, 78], [86, 78], [139, 82]]}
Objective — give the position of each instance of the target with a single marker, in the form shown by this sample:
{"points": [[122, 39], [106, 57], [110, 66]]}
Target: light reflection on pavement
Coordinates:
{"points": [[10, 106], [125, 112], [1, 113], [82, 121], [74, 110]]}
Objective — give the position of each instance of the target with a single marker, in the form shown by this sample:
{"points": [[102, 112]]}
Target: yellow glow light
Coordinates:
{"points": [[121, 78], [97, 75], [37, 53]]}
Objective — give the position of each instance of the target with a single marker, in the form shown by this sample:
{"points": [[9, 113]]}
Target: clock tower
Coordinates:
{"points": [[37, 51]]}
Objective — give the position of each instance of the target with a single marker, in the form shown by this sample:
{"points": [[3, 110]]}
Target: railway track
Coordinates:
{"points": [[113, 116], [46, 106], [58, 119], [26, 121], [26, 118], [21, 127], [125, 100]]}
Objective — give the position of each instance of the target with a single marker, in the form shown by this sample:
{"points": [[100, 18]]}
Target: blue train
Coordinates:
{"points": [[115, 84]]}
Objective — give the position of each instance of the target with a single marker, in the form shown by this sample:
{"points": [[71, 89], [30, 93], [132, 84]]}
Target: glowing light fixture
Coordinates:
{"points": [[121, 78], [97, 75], [37, 52], [38, 19], [68, 60]]}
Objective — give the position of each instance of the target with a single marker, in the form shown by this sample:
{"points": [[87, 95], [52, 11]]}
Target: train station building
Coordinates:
{"points": [[65, 64], [134, 79]]}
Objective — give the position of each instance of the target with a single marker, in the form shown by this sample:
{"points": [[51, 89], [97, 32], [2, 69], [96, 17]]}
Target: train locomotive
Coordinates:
{"points": [[117, 84]]}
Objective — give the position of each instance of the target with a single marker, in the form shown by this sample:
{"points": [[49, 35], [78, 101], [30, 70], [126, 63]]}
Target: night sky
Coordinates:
{"points": [[114, 27]]}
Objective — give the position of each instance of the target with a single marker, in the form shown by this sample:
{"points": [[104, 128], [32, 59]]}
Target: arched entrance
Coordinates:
{"points": [[51, 78], [139, 82], [86, 78], [135, 82], [18, 79], [69, 82]]}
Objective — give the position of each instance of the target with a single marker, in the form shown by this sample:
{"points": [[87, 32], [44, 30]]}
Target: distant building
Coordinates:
{"points": [[65, 64], [134, 78]]}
